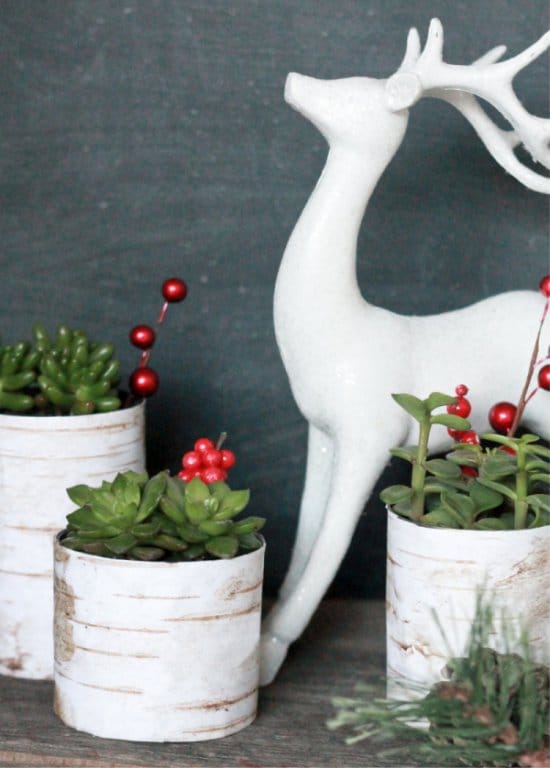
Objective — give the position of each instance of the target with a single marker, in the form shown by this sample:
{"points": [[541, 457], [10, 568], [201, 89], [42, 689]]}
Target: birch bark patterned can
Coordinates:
{"points": [[39, 457], [157, 651], [439, 572]]}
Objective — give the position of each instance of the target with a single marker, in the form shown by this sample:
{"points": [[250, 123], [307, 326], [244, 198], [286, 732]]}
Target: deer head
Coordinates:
{"points": [[426, 74], [349, 112]]}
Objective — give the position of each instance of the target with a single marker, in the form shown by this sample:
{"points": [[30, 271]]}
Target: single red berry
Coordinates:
{"points": [[228, 459], [213, 474], [461, 408], [461, 390], [203, 444], [501, 416], [507, 449], [544, 377], [544, 286], [142, 336], [186, 475], [469, 471], [144, 382], [456, 434], [212, 458], [174, 289], [469, 437], [191, 460]]}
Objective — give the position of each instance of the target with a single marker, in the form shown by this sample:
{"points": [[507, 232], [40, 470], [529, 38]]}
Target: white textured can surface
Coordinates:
{"points": [[441, 570], [157, 651], [40, 457]]}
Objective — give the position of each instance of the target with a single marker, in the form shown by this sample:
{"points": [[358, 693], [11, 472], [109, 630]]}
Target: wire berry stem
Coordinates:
{"points": [[144, 381]]}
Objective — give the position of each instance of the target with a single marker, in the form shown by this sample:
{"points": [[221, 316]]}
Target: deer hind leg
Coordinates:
{"points": [[354, 475], [320, 453]]}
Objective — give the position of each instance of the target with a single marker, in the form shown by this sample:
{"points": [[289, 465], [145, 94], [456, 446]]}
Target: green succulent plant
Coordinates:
{"points": [[69, 374], [76, 375], [507, 489], [139, 517], [18, 371]]}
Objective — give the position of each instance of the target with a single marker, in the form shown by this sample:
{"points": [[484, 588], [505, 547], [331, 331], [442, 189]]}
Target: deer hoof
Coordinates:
{"points": [[273, 652]]}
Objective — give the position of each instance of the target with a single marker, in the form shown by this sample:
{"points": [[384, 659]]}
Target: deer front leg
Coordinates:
{"points": [[312, 509], [354, 476]]}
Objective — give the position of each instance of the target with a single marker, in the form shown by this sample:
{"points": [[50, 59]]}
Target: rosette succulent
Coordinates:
{"points": [[139, 517]]}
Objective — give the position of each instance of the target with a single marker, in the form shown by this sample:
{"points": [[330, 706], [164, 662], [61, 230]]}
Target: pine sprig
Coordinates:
{"points": [[492, 710]]}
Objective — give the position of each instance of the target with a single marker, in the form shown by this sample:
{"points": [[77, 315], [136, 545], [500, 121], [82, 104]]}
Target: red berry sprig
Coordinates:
{"points": [[461, 407], [144, 381], [505, 417], [208, 461]]}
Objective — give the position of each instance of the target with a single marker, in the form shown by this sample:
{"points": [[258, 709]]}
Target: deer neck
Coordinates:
{"points": [[317, 279]]}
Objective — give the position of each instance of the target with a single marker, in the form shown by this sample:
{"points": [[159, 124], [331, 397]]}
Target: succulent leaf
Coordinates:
{"points": [[121, 544], [451, 421], [413, 405], [151, 496], [222, 546], [231, 504], [442, 469], [438, 400], [79, 494], [250, 541], [196, 490], [248, 525]]}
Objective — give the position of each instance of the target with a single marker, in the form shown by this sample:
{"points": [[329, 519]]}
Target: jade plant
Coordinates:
{"points": [[18, 365], [493, 481], [75, 374], [71, 374], [138, 517], [498, 483]]}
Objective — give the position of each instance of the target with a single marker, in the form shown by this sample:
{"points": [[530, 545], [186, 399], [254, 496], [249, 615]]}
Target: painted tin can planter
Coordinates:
{"points": [[40, 457], [155, 651], [441, 570]]}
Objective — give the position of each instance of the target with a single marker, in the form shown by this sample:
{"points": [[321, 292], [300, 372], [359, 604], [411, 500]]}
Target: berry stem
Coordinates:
{"points": [[146, 354], [521, 506], [221, 440], [524, 399]]}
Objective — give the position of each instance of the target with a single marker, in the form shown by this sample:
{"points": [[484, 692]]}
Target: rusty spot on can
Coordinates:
{"points": [[14, 664]]}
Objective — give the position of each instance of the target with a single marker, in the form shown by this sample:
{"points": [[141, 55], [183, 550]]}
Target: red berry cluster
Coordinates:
{"points": [[207, 461], [144, 381]]}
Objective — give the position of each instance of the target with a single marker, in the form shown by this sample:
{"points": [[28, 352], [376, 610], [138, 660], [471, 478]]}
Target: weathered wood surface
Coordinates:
{"points": [[344, 644]]}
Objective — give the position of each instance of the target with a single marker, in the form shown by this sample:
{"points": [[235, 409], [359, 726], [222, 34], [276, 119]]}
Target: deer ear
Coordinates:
{"points": [[402, 91]]}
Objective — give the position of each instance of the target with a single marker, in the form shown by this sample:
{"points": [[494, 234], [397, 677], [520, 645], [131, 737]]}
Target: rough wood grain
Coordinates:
{"points": [[344, 644]]}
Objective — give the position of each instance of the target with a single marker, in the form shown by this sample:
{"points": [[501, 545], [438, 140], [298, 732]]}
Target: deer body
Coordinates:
{"points": [[344, 357]]}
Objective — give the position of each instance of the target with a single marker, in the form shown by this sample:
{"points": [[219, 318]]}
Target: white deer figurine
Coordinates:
{"points": [[344, 356]]}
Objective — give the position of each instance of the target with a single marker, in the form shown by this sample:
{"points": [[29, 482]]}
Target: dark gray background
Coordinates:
{"points": [[149, 138]]}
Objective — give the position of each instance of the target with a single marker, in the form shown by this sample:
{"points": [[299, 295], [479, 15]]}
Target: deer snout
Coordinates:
{"points": [[292, 86]]}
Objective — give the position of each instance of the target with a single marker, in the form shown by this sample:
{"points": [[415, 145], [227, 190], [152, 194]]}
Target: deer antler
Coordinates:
{"points": [[424, 73]]}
